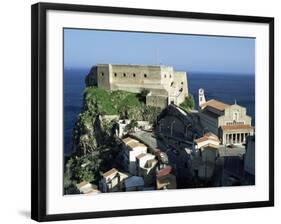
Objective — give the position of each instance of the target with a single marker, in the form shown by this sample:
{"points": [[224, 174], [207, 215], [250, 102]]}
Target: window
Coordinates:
{"points": [[145, 75], [134, 75], [170, 76], [165, 76], [124, 74], [101, 74], [182, 83], [115, 74]]}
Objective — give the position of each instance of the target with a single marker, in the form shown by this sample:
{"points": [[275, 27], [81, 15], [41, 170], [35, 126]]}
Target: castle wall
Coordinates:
{"points": [[103, 76], [180, 79], [167, 76], [135, 74], [165, 84], [157, 101]]}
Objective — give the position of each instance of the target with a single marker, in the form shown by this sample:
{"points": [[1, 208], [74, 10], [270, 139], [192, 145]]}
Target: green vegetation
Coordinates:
{"points": [[94, 141], [125, 104], [81, 168], [111, 103], [188, 103]]}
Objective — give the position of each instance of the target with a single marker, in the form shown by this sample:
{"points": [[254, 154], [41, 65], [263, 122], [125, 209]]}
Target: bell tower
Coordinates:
{"points": [[201, 97]]}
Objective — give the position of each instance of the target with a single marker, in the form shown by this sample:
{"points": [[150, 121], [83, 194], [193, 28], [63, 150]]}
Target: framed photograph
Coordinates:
{"points": [[139, 111]]}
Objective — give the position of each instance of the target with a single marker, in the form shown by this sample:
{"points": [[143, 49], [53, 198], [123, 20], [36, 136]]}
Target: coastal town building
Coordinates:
{"points": [[174, 122], [146, 168], [203, 163], [209, 139], [112, 181], [165, 85], [229, 122], [165, 179], [134, 183], [85, 187], [132, 148]]}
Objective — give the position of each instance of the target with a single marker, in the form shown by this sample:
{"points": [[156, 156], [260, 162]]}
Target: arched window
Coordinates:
{"points": [[182, 83], [124, 74], [170, 76], [145, 75], [115, 74], [134, 75], [101, 73], [165, 76]]}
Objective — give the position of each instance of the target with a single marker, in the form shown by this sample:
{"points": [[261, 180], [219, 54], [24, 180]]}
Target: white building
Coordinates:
{"points": [[229, 122], [204, 160], [208, 139], [146, 168], [132, 148], [113, 180]]}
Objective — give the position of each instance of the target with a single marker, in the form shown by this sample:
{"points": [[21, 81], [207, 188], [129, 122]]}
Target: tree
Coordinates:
{"points": [[143, 94], [188, 103]]}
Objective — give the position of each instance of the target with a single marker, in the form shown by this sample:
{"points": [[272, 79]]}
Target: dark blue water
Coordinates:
{"points": [[225, 88], [74, 85]]}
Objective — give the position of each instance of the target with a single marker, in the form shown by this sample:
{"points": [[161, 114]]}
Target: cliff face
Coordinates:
{"points": [[91, 131]]}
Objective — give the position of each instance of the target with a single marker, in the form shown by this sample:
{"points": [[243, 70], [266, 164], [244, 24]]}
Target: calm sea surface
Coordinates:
{"points": [[225, 88]]}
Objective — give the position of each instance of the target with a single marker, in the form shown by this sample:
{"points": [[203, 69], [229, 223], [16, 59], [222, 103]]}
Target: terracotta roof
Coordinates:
{"points": [[215, 104], [128, 139], [82, 184], [165, 171], [236, 127], [207, 136], [110, 172], [135, 144]]}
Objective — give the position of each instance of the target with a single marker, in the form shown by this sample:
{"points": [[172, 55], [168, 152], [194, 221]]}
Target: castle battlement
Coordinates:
{"points": [[164, 83]]}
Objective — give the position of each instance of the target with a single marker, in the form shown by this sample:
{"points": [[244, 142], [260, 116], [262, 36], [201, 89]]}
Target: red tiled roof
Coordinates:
{"points": [[110, 172], [215, 104], [165, 171], [207, 136]]}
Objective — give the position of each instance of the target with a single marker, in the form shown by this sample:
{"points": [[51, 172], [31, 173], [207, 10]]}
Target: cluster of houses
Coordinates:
{"points": [[218, 140], [143, 169], [216, 143]]}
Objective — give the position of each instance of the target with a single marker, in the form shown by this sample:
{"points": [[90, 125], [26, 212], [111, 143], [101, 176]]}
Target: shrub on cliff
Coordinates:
{"points": [[188, 103]]}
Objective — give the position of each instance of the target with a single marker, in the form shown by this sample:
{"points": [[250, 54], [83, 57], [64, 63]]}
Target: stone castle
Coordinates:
{"points": [[165, 85]]}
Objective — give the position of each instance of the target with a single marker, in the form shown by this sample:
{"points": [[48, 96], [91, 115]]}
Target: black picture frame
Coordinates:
{"points": [[38, 108]]}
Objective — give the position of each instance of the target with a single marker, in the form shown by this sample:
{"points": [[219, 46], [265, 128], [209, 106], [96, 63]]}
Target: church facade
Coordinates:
{"points": [[229, 122], [165, 85]]}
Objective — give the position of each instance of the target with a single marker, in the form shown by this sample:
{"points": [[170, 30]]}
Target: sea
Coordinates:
{"points": [[224, 87]]}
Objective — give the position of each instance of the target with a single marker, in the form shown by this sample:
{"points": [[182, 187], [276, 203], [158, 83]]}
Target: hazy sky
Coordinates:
{"points": [[191, 53]]}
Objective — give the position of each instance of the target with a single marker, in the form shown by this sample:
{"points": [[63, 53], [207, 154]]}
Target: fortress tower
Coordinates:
{"points": [[165, 85]]}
